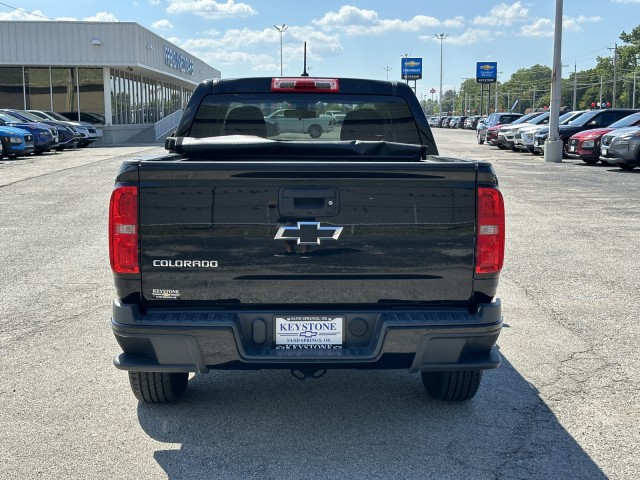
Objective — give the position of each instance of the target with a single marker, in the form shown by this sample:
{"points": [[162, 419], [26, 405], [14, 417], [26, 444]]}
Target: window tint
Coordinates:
{"points": [[305, 117]]}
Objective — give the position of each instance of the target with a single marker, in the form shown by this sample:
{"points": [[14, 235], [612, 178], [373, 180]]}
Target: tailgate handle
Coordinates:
{"points": [[308, 202]]}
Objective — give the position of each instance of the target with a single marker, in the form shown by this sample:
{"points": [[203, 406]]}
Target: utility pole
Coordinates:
{"points": [[575, 85], [466, 96], [496, 109], [633, 97], [600, 103], [533, 101], [615, 73], [387, 68], [441, 37], [281, 30]]}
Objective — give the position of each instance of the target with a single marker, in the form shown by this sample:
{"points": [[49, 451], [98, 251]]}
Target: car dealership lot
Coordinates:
{"points": [[564, 404]]}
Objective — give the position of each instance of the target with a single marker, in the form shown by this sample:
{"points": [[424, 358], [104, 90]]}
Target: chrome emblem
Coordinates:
{"points": [[308, 233]]}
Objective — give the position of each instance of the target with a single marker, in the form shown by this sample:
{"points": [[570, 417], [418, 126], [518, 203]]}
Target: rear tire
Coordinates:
{"points": [[453, 386], [315, 131], [480, 140], [158, 387], [624, 166]]}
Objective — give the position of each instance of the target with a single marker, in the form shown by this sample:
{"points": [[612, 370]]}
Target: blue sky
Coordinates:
{"points": [[363, 38]]}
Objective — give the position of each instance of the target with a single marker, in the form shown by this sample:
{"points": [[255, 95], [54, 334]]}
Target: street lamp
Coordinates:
{"points": [[387, 70], [281, 30], [441, 37]]}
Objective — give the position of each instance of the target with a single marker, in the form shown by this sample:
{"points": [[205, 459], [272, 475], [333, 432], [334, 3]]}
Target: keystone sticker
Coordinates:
{"points": [[165, 294]]}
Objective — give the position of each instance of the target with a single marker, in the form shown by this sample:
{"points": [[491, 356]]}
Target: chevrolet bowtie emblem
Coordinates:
{"points": [[308, 233]]}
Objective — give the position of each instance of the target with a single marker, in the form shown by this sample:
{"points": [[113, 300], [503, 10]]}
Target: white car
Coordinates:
{"points": [[337, 115]]}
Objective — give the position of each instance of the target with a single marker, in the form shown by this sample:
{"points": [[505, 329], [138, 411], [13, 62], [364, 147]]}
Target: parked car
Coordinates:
{"points": [[15, 142], [506, 134], [491, 135], [87, 131], [337, 115], [90, 117], [497, 118], [526, 139], [534, 123], [471, 122], [45, 137], [67, 135], [301, 120], [586, 144], [590, 120], [621, 147]]}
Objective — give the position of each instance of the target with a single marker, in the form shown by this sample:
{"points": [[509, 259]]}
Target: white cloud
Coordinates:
{"points": [[347, 15], [542, 27], [22, 15], [211, 9], [457, 22], [573, 24], [155, 2], [354, 21], [503, 14], [102, 17], [625, 1], [471, 36], [163, 24]]}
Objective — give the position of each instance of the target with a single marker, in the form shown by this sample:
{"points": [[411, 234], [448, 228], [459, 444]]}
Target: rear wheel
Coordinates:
{"points": [[453, 386], [624, 166], [315, 131], [158, 387], [480, 140]]}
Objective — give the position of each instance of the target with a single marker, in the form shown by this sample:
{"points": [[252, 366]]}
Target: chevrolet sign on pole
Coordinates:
{"points": [[487, 72], [411, 68]]}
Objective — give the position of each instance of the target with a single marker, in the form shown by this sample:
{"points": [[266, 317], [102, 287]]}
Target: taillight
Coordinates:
{"points": [[490, 231], [123, 230], [298, 84]]}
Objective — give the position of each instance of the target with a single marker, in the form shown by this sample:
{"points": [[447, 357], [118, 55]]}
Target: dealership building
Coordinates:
{"points": [[132, 81]]}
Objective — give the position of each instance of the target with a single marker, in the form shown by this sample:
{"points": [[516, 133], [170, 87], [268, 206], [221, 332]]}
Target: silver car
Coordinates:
{"points": [[621, 147]]}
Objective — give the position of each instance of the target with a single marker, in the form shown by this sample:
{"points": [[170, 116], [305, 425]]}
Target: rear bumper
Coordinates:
{"points": [[202, 340]]}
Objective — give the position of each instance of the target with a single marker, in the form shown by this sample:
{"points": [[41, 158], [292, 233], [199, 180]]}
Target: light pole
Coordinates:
{"points": [[441, 37], [554, 145], [387, 70], [281, 29]]}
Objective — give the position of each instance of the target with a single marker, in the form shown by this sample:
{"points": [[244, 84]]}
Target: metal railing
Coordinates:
{"points": [[167, 124]]}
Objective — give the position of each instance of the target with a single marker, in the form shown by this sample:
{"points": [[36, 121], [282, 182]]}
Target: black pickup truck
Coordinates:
{"points": [[245, 247]]}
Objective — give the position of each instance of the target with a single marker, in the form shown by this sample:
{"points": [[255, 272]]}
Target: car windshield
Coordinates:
{"points": [[567, 117], [303, 117], [628, 121], [57, 116], [29, 116], [524, 118], [9, 118], [40, 115], [584, 118]]}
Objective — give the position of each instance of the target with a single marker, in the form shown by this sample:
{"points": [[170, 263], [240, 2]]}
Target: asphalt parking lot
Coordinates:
{"points": [[564, 404]]}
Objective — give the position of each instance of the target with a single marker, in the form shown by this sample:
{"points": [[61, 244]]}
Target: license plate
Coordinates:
{"points": [[604, 150], [572, 148], [307, 332]]}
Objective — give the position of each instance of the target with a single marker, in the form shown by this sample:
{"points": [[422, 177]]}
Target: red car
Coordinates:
{"points": [[586, 144], [492, 135]]}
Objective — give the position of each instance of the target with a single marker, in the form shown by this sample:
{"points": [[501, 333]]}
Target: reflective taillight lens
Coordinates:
{"points": [[123, 230], [490, 231]]}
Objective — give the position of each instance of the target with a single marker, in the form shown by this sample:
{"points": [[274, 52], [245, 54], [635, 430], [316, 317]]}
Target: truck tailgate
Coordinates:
{"points": [[214, 233]]}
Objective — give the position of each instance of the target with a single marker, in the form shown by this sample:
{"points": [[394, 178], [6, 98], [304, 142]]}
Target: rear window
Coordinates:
{"points": [[307, 117]]}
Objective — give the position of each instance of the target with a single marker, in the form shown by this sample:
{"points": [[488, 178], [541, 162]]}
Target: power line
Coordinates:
{"points": [[24, 11]]}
